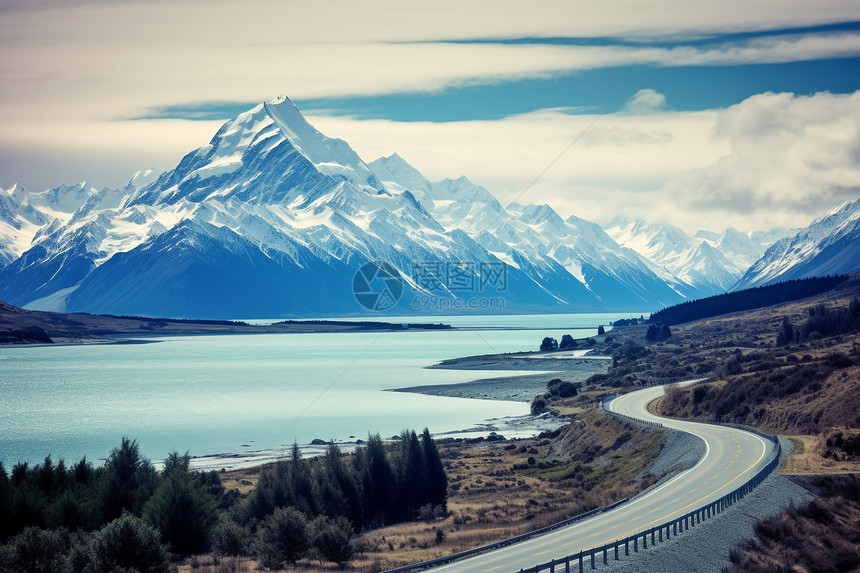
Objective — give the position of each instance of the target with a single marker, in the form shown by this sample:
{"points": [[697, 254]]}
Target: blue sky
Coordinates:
{"points": [[602, 90], [707, 115]]}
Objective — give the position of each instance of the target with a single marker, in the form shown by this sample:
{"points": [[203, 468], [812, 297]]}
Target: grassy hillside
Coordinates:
{"points": [[807, 388], [818, 536]]}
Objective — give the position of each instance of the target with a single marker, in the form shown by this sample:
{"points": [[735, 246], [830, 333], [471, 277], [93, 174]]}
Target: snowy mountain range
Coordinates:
{"points": [[830, 245], [273, 219], [708, 261]]}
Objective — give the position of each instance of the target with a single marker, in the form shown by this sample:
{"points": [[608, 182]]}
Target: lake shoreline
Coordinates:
{"points": [[534, 369], [141, 374], [571, 366]]}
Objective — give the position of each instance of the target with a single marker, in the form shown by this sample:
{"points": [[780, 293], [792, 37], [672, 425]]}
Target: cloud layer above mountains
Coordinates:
{"points": [[100, 89]]}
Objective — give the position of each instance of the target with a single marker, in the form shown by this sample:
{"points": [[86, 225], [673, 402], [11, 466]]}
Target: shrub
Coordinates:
{"points": [[282, 538], [229, 538], [839, 360], [38, 551], [559, 388], [128, 543], [332, 538], [128, 481], [539, 405]]}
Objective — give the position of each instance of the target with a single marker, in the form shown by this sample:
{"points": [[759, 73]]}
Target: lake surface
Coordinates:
{"points": [[232, 394]]}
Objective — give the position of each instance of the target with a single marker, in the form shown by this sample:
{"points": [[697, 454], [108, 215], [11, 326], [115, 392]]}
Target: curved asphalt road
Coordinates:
{"points": [[731, 457]]}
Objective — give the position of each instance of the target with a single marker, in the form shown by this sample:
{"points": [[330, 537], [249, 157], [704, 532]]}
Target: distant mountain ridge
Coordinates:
{"points": [[829, 245], [708, 261], [272, 219]]}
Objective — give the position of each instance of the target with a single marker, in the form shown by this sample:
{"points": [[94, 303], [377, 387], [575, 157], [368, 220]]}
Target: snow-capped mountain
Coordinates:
{"points": [[770, 236], [272, 218], [709, 262], [536, 237], [830, 245]]}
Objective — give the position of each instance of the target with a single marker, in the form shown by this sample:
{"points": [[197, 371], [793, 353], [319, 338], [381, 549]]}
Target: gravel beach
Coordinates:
{"points": [[569, 366]]}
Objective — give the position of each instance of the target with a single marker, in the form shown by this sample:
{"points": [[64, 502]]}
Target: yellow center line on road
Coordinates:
{"points": [[492, 569], [692, 503], [542, 553]]}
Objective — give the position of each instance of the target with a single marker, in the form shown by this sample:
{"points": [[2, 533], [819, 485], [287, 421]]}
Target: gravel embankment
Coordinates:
{"points": [[706, 547], [681, 451]]}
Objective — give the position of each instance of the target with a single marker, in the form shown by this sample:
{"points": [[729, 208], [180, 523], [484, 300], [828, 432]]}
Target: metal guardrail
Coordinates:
{"points": [[658, 534], [631, 419], [504, 542], [677, 379], [663, 532]]}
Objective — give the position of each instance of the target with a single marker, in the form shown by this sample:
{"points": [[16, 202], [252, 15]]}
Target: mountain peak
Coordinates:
{"points": [[844, 208], [396, 171], [707, 235], [620, 221], [331, 156], [290, 119], [829, 245]]}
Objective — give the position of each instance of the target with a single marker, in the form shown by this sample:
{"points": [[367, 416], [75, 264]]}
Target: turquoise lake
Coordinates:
{"points": [[232, 394]]}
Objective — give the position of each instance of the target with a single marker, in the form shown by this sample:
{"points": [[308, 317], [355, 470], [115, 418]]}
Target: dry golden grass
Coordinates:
{"points": [[243, 480], [800, 389], [806, 459], [593, 463], [818, 536]]}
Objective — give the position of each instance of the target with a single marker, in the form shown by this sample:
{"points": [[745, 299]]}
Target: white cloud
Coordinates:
{"points": [[772, 160], [646, 101], [621, 155], [792, 158], [72, 73], [106, 153], [116, 60]]}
